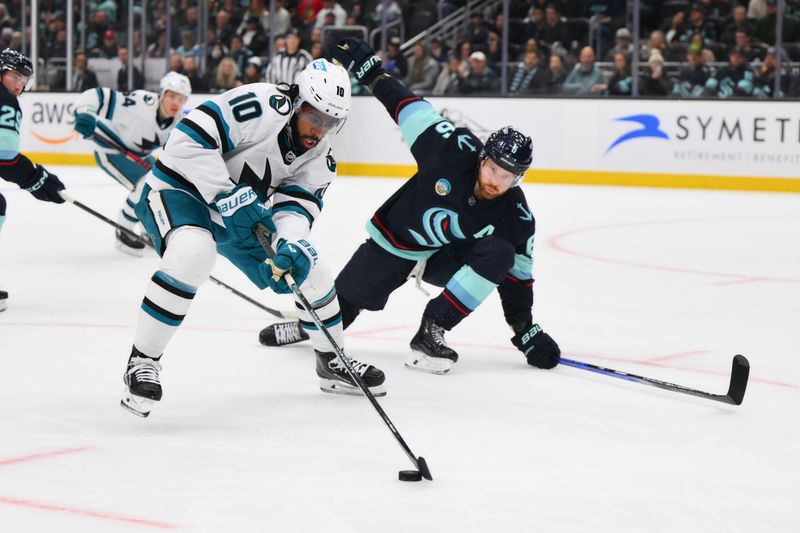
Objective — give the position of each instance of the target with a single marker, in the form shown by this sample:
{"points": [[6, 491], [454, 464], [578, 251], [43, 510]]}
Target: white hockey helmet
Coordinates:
{"points": [[326, 87], [175, 82]]}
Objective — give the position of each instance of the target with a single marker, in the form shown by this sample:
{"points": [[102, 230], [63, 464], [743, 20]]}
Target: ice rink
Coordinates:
{"points": [[669, 284]]}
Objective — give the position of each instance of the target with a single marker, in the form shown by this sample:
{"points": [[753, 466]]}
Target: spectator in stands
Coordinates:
{"points": [[529, 45], [83, 78], [623, 44], [693, 77], [189, 46], [757, 9], [556, 74], [494, 53], [329, 7], [252, 72], [656, 41], [283, 19], [257, 9], [765, 27], [529, 77], [621, 81], [5, 37], [586, 77], [447, 80], [5, 20], [224, 29], [253, 36], [395, 62], [764, 86], [478, 31], [738, 20], [227, 75], [215, 55], [307, 11], [735, 79], [175, 63], [108, 49], [555, 29], [464, 50], [439, 51], [189, 22], [159, 47], [480, 79], [534, 23], [391, 8], [676, 30], [751, 53], [16, 41], [239, 53], [699, 24], [122, 74], [422, 71], [315, 50], [654, 82], [287, 63], [191, 71], [605, 17]]}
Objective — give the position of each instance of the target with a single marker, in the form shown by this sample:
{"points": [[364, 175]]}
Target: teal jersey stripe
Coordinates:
{"points": [[183, 128], [302, 194], [330, 295], [175, 283], [158, 316], [411, 255], [326, 323], [415, 118], [101, 99], [295, 209], [2, 220], [177, 185], [523, 267], [9, 143], [111, 103], [470, 287]]}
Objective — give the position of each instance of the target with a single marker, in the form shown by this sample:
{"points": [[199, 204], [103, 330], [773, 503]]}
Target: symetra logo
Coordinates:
{"points": [[650, 127]]}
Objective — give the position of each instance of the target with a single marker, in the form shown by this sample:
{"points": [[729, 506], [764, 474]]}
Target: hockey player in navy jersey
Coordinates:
{"points": [[16, 69], [138, 121], [460, 223], [224, 161]]}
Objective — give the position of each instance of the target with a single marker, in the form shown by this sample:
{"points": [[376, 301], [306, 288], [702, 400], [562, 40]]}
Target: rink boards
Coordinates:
{"points": [[748, 145]]}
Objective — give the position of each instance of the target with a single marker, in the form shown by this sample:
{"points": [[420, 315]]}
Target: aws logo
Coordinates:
{"points": [[47, 116], [649, 126]]}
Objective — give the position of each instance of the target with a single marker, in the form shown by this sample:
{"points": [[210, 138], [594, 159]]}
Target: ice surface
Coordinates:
{"points": [[663, 283]]}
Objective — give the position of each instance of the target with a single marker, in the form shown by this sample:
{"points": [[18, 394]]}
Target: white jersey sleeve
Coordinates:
{"points": [[128, 119]]}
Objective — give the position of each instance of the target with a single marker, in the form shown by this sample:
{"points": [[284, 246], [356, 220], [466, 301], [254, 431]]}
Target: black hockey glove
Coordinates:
{"points": [[357, 57], [538, 347], [44, 186]]}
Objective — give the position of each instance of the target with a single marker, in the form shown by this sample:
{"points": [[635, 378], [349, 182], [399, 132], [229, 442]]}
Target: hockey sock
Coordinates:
{"points": [[2, 210], [321, 294], [463, 293]]}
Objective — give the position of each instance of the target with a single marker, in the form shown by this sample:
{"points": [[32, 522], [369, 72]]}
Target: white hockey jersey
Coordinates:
{"points": [[129, 119], [240, 136]]}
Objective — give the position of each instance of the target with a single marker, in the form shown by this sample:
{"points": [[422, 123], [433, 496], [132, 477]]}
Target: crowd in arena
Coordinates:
{"points": [[708, 48]]}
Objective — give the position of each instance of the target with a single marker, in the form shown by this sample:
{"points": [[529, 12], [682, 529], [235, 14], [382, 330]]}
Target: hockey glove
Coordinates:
{"points": [[357, 57], [538, 347], [241, 210], [85, 123], [44, 186], [290, 257]]}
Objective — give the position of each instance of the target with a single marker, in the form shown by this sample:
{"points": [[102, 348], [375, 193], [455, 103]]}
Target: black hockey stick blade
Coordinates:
{"points": [[422, 465], [740, 373]]}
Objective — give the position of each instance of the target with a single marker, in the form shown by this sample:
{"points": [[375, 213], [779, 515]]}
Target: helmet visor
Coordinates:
{"points": [[318, 120]]}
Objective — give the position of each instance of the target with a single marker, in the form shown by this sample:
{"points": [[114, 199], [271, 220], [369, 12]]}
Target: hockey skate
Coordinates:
{"points": [[282, 334], [3, 301], [333, 376], [143, 386], [429, 351], [127, 244]]}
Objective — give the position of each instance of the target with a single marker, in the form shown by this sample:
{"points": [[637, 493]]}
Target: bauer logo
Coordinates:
{"points": [[228, 206], [649, 126], [442, 187]]}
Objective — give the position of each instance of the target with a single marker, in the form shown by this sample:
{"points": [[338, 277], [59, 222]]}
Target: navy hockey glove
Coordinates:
{"points": [[44, 186], [538, 347], [241, 210], [357, 57], [85, 123], [291, 257]]}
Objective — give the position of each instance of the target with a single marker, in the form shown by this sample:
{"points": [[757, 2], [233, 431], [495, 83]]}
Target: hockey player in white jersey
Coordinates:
{"points": [[138, 121], [212, 184]]}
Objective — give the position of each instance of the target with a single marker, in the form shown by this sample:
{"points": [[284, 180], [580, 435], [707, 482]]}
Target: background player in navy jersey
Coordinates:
{"points": [[15, 71], [460, 223]]}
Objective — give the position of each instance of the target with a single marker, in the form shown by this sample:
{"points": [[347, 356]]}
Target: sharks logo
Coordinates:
{"points": [[281, 104], [441, 227], [650, 127]]}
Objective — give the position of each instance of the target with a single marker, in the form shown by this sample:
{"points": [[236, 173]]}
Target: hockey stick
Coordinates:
{"points": [[740, 372], [147, 242], [261, 234], [144, 164]]}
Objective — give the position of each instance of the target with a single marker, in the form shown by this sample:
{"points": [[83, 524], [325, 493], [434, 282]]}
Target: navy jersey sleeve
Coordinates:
{"points": [[516, 290], [14, 167]]}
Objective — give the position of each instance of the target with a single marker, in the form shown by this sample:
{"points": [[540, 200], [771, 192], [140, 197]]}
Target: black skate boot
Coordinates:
{"points": [[143, 386], [429, 351], [333, 376], [282, 334], [3, 301], [127, 244]]}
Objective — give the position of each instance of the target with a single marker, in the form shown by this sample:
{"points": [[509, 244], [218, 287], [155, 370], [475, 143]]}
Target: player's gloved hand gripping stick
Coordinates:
{"points": [[262, 234]]}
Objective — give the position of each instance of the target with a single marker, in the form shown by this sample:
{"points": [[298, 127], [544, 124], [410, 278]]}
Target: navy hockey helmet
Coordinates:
{"points": [[511, 150], [10, 59]]}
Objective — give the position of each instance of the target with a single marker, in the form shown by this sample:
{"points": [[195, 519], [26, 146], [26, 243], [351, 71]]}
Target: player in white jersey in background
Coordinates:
{"points": [[138, 121], [225, 160]]}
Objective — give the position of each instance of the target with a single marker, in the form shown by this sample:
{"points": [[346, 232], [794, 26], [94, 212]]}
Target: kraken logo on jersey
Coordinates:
{"points": [[441, 227], [280, 104]]}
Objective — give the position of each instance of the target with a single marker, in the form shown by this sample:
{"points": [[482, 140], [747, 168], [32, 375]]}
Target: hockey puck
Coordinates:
{"points": [[409, 475]]}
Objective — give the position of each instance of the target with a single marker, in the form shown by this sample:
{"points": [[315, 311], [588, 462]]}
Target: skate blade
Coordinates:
{"points": [[425, 363], [124, 248], [136, 405], [337, 387], [3, 305]]}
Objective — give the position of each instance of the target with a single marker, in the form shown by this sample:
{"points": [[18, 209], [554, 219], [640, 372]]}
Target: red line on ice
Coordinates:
{"points": [[44, 506], [43, 455]]}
